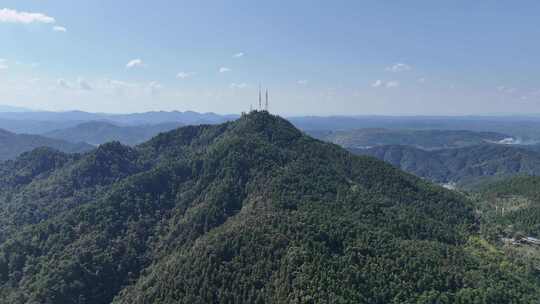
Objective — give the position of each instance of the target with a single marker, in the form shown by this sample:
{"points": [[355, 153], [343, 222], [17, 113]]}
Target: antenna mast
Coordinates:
{"points": [[260, 98], [266, 104]]}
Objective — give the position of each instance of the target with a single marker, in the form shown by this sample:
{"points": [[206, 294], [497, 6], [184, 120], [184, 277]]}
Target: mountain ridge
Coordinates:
{"points": [[459, 165], [12, 145], [99, 132], [250, 211]]}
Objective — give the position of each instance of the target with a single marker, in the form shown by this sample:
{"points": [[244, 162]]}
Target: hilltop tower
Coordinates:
{"points": [[266, 103], [260, 98]]}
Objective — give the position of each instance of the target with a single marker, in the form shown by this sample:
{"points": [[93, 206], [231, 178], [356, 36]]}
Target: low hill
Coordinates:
{"points": [[461, 166], [99, 132], [250, 211], [12, 145], [422, 139]]}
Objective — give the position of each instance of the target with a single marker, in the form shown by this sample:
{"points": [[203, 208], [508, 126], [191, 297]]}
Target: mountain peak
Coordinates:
{"points": [[274, 127]]}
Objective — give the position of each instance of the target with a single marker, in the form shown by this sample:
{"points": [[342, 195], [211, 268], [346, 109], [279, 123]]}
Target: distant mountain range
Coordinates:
{"points": [[524, 128], [423, 139], [12, 145], [463, 166], [39, 122], [99, 132], [6, 108]]}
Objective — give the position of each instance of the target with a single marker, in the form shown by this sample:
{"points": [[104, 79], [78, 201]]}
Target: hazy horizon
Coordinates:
{"points": [[4, 108]]}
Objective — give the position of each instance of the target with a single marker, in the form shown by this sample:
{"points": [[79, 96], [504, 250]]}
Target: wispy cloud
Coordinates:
{"points": [[14, 16], [3, 64], [421, 80], [399, 67], [116, 84], [84, 85], [62, 83], [377, 83], [302, 82], [506, 90], [135, 63], [242, 85], [238, 55], [155, 87], [224, 70], [392, 84], [183, 75], [387, 84], [59, 29]]}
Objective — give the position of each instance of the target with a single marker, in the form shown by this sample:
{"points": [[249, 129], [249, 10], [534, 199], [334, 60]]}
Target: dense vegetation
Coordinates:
{"points": [[511, 206], [99, 132], [251, 211], [423, 139], [510, 212], [12, 145], [463, 166]]}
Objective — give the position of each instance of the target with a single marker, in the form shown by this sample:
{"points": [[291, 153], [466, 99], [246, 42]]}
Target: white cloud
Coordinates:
{"points": [[59, 29], [183, 75], [387, 84], [399, 67], [13, 16], [155, 84], [84, 85], [3, 64], [115, 84], [238, 55], [135, 63], [154, 87], [224, 70], [506, 90], [377, 83], [392, 84], [242, 85], [62, 83], [302, 82]]}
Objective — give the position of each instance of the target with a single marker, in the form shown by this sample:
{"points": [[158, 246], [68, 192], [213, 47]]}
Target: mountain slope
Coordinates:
{"points": [[463, 165], [12, 145], [250, 211], [98, 132], [513, 205], [423, 139]]}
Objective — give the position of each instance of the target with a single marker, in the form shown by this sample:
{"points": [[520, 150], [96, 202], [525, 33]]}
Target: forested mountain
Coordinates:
{"points": [[99, 132], [12, 145], [423, 139], [462, 166], [250, 211]]}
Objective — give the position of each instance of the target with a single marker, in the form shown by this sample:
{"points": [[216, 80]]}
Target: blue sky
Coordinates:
{"points": [[316, 57]]}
